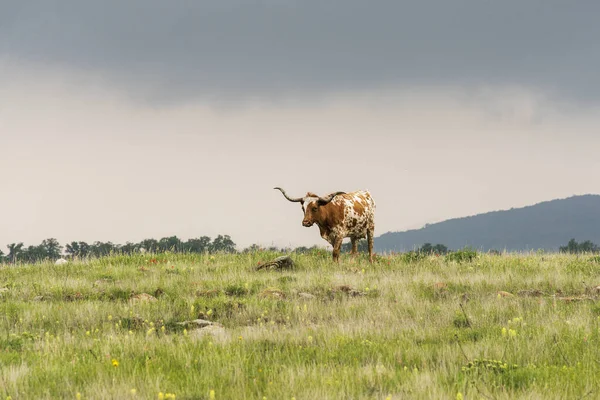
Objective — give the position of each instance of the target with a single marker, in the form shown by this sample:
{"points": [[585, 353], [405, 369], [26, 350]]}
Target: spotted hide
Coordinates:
{"points": [[340, 215]]}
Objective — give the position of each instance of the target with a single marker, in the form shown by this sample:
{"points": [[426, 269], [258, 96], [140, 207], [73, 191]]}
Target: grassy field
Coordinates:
{"points": [[494, 327]]}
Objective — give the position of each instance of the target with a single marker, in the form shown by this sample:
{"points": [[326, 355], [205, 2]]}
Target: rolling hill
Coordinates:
{"points": [[547, 225]]}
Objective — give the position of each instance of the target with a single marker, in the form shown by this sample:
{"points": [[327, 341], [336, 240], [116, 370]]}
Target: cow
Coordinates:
{"points": [[340, 215]]}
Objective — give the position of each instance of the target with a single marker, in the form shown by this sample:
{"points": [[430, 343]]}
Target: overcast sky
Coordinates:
{"points": [[127, 120]]}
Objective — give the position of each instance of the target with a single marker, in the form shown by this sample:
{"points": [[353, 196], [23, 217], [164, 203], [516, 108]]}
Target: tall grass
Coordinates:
{"points": [[491, 326]]}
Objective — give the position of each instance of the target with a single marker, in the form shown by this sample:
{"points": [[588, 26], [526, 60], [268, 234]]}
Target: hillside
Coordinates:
{"points": [[547, 225]]}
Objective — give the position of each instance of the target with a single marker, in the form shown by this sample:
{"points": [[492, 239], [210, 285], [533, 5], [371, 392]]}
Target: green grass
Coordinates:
{"points": [[422, 328]]}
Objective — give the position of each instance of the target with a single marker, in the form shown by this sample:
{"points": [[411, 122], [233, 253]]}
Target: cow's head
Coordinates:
{"points": [[311, 205]]}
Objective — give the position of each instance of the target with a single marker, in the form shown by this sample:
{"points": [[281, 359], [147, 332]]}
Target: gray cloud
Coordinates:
{"points": [[181, 50]]}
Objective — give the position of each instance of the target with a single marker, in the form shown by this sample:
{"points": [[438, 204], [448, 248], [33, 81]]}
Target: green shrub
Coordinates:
{"points": [[465, 255]]}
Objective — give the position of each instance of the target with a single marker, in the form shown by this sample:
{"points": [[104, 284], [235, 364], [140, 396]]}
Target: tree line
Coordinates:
{"points": [[574, 247], [51, 249]]}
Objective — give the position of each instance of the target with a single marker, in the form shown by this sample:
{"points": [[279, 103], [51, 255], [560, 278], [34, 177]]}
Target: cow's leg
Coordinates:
{"points": [[370, 233], [337, 245], [354, 246]]}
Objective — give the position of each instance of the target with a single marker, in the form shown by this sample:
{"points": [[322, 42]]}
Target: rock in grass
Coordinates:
{"points": [[502, 293], [280, 263], [198, 323], [272, 293], [103, 281], [200, 328], [348, 290], [216, 331], [142, 298]]}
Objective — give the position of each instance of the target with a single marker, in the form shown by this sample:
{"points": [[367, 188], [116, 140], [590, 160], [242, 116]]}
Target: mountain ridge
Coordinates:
{"points": [[546, 225]]}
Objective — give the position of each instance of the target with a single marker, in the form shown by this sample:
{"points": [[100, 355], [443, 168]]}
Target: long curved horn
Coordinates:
{"points": [[329, 197], [299, 199]]}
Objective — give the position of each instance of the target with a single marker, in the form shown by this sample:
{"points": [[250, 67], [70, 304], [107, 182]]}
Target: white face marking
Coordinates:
{"points": [[310, 201]]}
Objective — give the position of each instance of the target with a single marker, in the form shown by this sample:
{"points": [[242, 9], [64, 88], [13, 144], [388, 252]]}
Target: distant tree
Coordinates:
{"points": [[129, 248], [14, 251], [252, 249], [574, 248], [51, 248], [588, 247], [2, 257], [72, 249], [171, 243], [302, 250], [33, 254], [150, 245], [199, 245], [362, 246], [440, 249], [101, 249], [78, 249], [428, 248], [571, 247], [223, 243]]}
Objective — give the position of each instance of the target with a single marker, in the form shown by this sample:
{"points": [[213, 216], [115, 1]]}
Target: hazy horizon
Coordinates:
{"points": [[120, 122]]}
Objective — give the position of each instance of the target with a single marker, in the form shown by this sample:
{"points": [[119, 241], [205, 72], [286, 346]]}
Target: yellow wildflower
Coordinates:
{"points": [[211, 394], [459, 396], [115, 362], [161, 396]]}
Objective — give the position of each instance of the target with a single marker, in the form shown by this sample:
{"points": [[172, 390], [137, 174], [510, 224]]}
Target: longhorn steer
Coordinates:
{"points": [[340, 215]]}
